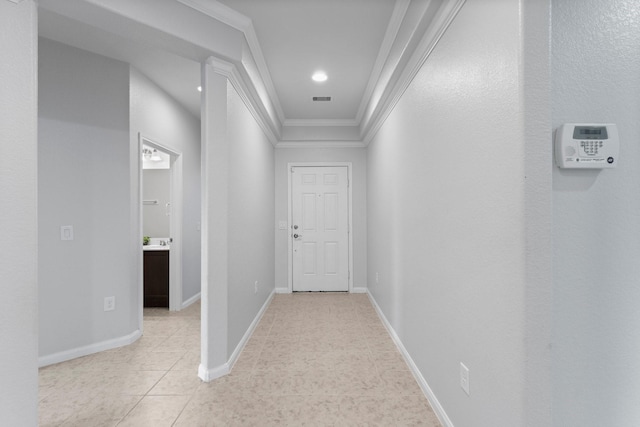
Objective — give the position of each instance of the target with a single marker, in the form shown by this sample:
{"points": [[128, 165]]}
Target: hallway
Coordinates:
{"points": [[319, 359]]}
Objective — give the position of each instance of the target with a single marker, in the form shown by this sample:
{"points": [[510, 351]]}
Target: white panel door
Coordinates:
{"points": [[320, 230]]}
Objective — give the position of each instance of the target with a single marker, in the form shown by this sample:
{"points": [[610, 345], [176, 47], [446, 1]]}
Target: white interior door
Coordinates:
{"points": [[320, 228]]}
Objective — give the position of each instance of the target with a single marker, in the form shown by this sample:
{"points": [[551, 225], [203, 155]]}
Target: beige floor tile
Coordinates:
{"points": [[270, 383], [162, 326], [102, 411], [55, 409], [155, 411], [156, 360], [189, 362], [133, 383], [246, 361], [311, 410], [180, 383], [388, 360], [314, 360], [400, 382], [204, 414]]}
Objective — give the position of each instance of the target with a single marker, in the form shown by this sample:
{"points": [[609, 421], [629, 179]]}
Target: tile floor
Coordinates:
{"points": [[314, 359]]}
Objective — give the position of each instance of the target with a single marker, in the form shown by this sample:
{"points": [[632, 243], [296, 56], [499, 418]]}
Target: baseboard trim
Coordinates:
{"points": [[431, 397], [358, 290], [191, 300], [282, 291], [247, 335], [74, 353], [208, 375]]}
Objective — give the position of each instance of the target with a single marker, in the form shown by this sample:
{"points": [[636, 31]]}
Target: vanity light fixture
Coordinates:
{"points": [[319, 76], [146, 153], [155, 156]]}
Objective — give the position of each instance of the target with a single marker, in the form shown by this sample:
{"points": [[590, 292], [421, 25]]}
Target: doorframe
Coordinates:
{"points": [[175, 221], [291, 165]]}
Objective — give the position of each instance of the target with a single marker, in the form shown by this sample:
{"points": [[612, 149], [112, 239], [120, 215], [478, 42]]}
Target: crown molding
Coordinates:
{"points": [[249, 97], [319, 122], [395, 23], [394, 91], [320, 144], [249, 84], [220, 12], [221, 67], [244, 24]]}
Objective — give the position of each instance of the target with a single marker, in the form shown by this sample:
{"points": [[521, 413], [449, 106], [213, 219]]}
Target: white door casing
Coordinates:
{"points": [[176, 203], [320, 228]]}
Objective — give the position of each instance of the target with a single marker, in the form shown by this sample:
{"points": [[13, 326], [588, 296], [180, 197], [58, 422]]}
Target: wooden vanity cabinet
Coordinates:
{"points": [[156, 279]]}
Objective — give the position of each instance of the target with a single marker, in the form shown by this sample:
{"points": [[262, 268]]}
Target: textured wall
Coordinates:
{"points": [[251, 217], [155, 186], [83, 111], [19, 225], [450, 179], [596, 78]]}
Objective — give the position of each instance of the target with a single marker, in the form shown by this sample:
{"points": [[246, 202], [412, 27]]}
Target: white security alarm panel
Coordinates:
{"points": [[587, 145]]}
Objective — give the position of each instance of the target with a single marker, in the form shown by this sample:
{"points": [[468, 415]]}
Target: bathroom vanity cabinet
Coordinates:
{"points": [[156, 278]]}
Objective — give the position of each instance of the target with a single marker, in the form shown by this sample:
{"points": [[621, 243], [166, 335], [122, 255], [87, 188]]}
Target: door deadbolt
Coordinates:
{"points": [[295, 227]]}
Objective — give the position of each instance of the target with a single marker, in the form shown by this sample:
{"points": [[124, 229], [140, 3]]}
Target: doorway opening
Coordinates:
{"points": [[161, 210]]}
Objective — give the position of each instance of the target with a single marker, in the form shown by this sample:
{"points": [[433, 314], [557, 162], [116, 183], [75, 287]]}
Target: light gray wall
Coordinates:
{"points": [[358, 158], [159, 117], [83, 181], [448, 229], [596, 227], [19, 226], [155, 186], [250, 218]]}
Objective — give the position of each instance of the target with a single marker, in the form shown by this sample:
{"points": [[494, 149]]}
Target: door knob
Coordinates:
{"points": [[295, 236]]}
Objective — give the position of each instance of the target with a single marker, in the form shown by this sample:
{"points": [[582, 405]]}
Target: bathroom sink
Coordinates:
{"points": [[156, 247]]}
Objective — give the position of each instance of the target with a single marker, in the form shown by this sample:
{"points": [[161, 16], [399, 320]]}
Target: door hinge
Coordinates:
{"points": [[349, 275], [293, 170]]}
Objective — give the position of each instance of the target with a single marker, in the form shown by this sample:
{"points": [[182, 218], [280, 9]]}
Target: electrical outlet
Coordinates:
{"points": [[464, 378], [256, 289], [109, 303], [66, 232]]}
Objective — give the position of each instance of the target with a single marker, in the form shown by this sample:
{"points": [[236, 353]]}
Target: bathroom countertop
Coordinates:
{"points": [[156, 247]]}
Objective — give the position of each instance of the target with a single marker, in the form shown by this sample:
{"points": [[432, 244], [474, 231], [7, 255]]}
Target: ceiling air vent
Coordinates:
{"points": [[322, 98]]}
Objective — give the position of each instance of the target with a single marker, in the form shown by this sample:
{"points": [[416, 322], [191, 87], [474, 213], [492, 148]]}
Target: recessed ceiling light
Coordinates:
{"points": [[319, 76], [199, 88]]}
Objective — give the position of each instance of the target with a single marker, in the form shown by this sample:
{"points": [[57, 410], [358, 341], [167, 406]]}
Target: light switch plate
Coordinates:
{"points": [[464, 378], [66, 232]]}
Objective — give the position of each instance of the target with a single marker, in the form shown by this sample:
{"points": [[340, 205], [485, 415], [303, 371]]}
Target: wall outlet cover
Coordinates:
{"points": [[66, 232], [109, 303]]}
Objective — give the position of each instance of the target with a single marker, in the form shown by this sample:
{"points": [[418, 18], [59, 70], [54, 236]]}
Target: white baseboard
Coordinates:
{"points": [[74, 353], [247, 335], [431, 397], [190, 301], [354, 290], [207, 375]]}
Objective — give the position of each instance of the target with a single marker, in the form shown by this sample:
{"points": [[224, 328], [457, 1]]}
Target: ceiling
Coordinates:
{"points": [[299, 37], [360, 44]]}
